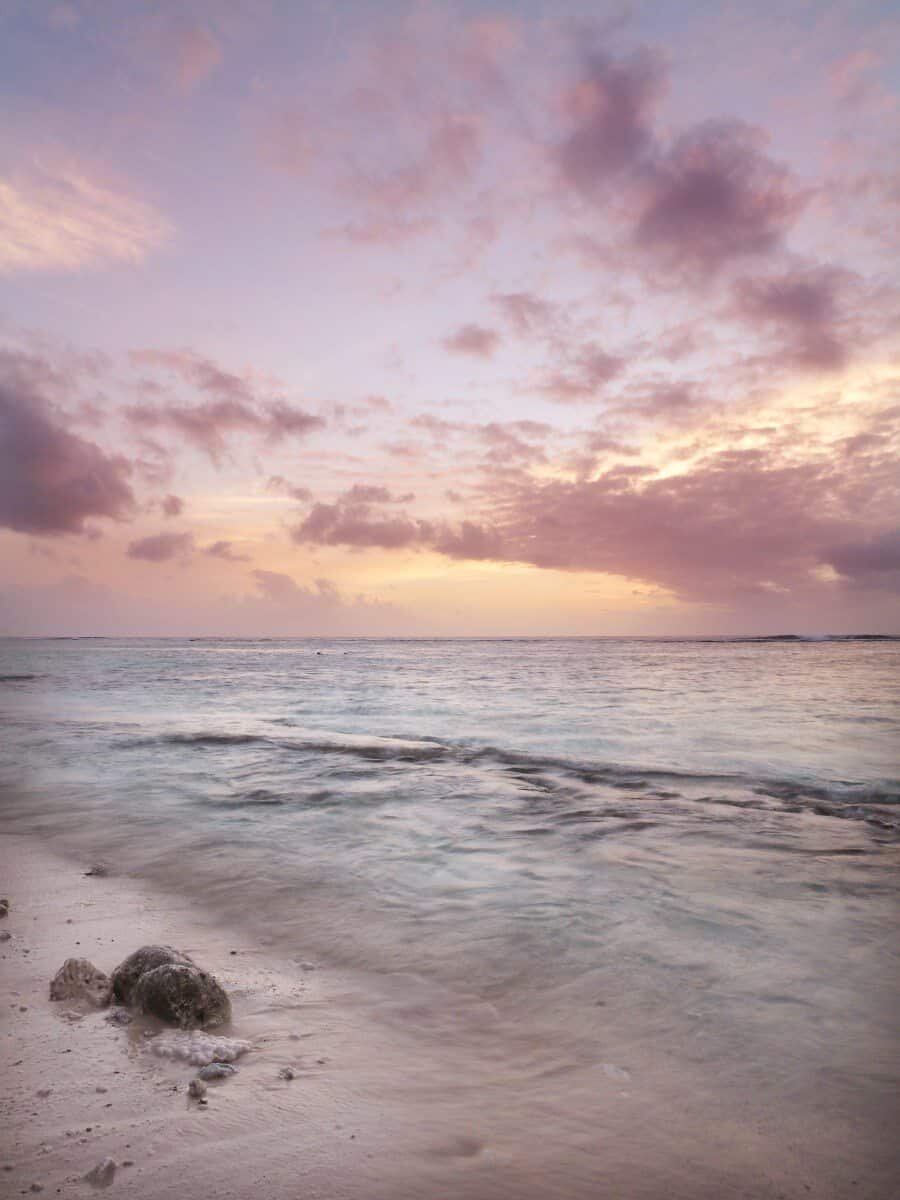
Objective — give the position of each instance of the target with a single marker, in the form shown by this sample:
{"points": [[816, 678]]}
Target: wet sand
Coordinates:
{"points": [[395, 1096]]}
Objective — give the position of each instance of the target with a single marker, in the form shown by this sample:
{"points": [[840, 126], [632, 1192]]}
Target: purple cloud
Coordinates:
{"points": [[874, 561], [51, 480]]}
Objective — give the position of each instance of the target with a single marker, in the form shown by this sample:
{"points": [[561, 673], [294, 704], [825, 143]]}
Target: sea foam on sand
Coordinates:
{"points": [[198, 1048]]}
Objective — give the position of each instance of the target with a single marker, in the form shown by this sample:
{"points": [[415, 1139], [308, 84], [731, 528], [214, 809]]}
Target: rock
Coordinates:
{"points": [[102, 1174], [198, 1048], [99, 870], [78, 979], [197, 1089], [5, 935], [287, 1073], [183, 995], [119, 1016], [37, 1187], [127, 973], [217, 1070], [4, 907]]}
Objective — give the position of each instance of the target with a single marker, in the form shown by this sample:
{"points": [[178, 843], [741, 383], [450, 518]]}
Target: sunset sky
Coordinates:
{"points": [[406, 318]]}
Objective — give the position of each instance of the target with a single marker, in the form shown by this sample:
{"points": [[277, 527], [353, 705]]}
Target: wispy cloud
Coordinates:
{"points": [[57, 217]]}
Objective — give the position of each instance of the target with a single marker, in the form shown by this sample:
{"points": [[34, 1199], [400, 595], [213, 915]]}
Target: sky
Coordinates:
{"points": [[441, 319]]}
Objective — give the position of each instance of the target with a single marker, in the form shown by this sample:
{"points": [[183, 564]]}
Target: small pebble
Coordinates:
{"points": [[4, 907], [286, 1073], [5, 935], [197, 1089], [102, 1090], [44, 1093], [102, 1174], [216, 1070], [37, 1187]]}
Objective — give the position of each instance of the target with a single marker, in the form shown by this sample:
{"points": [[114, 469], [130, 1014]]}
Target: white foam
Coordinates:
{"points": [[198, 1048]]}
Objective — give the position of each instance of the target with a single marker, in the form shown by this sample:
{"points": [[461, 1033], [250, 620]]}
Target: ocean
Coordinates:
{"points": [[600, 860]]}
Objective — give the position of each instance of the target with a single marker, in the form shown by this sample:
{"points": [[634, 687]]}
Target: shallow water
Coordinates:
{"points": [[583, 862]]}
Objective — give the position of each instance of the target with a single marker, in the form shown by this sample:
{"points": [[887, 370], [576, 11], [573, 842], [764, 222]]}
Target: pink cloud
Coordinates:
{"points": [[611, 108], [714, 198], [202, 373], [400, 202], [234, 408], [849, 77], [161, 547], [528, 314], [194, 55], [51, 480], [287, 141], [354, 524], [737, 523], [225, 550], [475, 340], [590, 370], [801, 307], [278, 483], [515, 442], [353, 520], [172, 506], [57, 214]]}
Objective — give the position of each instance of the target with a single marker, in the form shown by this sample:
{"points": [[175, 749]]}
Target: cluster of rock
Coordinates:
{"points": [[155, 980]]}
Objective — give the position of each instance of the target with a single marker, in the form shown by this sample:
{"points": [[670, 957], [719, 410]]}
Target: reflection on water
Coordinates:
{"points": [[594, 868]]}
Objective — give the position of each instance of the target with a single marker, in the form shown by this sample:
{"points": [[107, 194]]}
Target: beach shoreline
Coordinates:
{"points": [[82, 1090], [373, 1110]]}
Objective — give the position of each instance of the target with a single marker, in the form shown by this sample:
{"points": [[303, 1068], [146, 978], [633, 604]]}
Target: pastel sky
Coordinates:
{"points": [[379, 317]]}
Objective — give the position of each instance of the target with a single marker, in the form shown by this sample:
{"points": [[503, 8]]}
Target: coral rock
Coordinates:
{"points": [[182, 995], [78, 979], [127, 973]]}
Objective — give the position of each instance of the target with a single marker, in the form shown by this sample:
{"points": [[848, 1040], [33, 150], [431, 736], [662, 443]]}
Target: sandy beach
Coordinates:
{"points": [[80, 1090], [374, 1109]]}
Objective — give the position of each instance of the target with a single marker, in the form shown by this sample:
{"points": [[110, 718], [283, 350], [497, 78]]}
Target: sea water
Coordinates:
{"points": [[585, 860]]}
